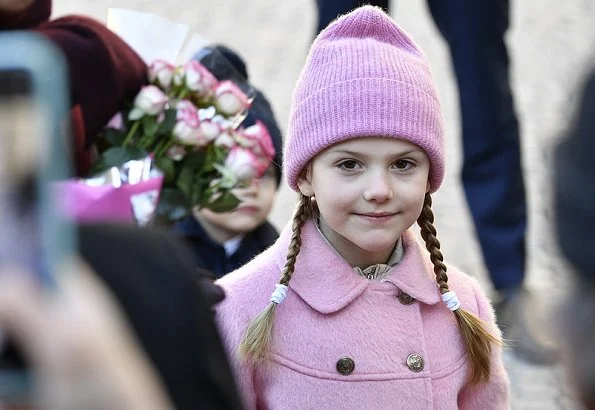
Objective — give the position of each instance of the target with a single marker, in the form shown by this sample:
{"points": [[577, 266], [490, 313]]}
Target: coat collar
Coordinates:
{"points": [[326, 282]]}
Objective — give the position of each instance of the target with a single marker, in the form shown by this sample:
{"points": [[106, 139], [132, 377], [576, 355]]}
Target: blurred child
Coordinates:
{"points": [[223, 242]]}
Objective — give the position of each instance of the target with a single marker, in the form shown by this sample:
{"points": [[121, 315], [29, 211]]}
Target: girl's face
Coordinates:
{"points": [[368, 191]]}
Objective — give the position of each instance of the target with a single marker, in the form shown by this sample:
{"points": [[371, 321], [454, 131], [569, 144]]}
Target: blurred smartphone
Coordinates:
{"points": [[33, 153]]}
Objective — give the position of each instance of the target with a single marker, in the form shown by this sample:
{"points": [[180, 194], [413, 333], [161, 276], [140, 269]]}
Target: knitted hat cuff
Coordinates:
{"points": [[363, 107]]}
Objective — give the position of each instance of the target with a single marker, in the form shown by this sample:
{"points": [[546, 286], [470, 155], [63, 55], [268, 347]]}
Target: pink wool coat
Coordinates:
{"points": [[333, 319]]}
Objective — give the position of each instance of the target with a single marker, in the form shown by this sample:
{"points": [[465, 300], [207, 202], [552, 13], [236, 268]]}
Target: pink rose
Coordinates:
{"points": [[229, 99], [262, 165], [187, 112], [259, 140], [243, 163], [149, 101], [224, 139], [199, 79], [117, 122], [210, 130], [189, 130], [161, 72], [186, 134]]}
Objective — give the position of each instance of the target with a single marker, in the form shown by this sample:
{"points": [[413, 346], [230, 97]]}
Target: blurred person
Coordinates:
{"points": [[167, 302], [222, 242], [80, 349], [492, 174], [575, 215], [169, 307]]}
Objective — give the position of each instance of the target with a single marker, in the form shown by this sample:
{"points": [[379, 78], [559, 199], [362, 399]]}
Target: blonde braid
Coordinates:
{"points": [[255, 344], [478, 341]]}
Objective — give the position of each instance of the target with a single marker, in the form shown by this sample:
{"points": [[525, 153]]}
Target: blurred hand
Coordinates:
{"points": [[82, 353], [14, 5]]}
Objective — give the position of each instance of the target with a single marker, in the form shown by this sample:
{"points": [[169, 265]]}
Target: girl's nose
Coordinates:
{"points": [[379, 188]]}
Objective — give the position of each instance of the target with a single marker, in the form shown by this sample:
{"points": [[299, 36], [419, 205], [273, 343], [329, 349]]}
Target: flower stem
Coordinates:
{"points": [[163, 149], [148, 141], [158, 148], [131, 133]]}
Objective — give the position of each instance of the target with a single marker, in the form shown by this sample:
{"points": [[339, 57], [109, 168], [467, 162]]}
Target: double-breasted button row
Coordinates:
{"points": [[346, 365]]}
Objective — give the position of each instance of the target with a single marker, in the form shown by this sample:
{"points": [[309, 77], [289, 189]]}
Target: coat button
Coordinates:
{"points": [[415, 363], [345, 365], [405, 298]]}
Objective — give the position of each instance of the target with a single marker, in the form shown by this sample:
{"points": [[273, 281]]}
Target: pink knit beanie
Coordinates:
{"points": [[364, 77]]}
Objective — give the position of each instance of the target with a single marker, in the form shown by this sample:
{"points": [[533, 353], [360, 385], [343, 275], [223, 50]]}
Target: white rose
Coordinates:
{"points": [[185, 133], [210, 130], [162, 72], [229, 99], [224, 139], [149, 101], [242, 163], [198, 78]]}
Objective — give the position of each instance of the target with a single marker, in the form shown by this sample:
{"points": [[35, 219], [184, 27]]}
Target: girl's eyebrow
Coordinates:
{"points": [[364, 155]]}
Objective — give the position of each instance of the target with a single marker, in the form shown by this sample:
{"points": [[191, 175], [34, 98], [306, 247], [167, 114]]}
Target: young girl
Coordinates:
{"points": [[360, 317]]}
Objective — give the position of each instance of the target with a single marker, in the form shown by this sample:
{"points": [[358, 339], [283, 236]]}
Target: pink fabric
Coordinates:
{"points": [[331, 312], [364, 76], [82, 203]]}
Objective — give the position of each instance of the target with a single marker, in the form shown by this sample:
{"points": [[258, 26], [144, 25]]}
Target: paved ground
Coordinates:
{"points": [[551, 50]]}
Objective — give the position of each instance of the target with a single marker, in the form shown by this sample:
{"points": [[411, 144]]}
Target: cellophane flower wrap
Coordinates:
{"points": [[187, 121], [125, 193]]}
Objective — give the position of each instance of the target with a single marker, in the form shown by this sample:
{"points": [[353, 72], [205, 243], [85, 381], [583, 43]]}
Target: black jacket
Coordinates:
{"points": [[211, 256], [153, 277]]}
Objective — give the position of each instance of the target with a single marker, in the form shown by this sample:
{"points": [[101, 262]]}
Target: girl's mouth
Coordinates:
{"points": [[377, 217]]}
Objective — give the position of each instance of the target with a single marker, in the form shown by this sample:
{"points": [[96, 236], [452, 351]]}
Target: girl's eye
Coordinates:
{"points": [[403, 165], [349, 165]]}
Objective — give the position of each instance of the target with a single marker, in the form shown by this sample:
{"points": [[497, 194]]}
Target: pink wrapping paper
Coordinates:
{"points": [[83, 203]]}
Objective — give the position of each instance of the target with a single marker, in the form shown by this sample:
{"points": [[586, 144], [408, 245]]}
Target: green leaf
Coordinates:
{"points": [[220, 154], [198, 189], [167, 126], [211, 158], [149, 125], [168, 167], [226, 203], [172, 206], [186, 180], [116, 156], [194, 161], [113, 136]]}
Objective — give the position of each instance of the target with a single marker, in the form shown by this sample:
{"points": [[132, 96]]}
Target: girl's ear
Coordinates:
{"points": [[305, 187], [428, 187], [305, 182]]}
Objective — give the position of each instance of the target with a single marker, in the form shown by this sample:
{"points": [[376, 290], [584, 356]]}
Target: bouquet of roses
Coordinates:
{"points": [[187, 121], [178, 144]]}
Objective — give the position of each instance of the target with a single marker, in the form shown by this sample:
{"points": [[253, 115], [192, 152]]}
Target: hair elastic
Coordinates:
{"points": [[451, 301], [279, 294]]}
